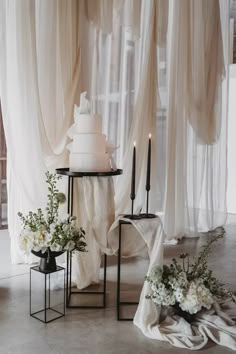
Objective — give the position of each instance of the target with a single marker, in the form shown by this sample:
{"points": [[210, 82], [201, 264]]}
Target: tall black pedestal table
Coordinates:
{"points": [[71, 175]]}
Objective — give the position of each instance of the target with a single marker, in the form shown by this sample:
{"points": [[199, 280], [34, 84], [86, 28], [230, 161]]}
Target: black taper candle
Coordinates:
{"points": [[148, 186], [132, 193], [148, 177]]}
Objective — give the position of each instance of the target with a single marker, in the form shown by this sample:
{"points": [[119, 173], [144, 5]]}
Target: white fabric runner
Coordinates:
{"points": [[151, 233], [155, 323], [95, 211], [216, 324]]}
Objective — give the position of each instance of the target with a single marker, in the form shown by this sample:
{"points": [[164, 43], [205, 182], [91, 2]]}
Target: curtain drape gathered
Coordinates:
{"points": [[196, 118], [123, 86], [149, 66], [178, 92], [39, 69]]}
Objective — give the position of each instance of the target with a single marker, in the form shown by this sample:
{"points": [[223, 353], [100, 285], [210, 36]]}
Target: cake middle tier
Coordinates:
{"points": [[89, 162], [89, 143]]}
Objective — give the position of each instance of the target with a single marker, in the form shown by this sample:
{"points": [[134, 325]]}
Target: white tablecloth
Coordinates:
{"points": [[95, 211]]}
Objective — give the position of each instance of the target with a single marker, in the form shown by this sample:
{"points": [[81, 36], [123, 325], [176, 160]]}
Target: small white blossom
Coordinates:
{"points": [[156, 273], [55, 247], [179, 294], [65, 218], [69, 246], [52, 228]]}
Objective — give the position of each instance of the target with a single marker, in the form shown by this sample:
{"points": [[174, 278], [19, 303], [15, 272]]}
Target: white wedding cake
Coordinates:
{"points": [[89, 151]]}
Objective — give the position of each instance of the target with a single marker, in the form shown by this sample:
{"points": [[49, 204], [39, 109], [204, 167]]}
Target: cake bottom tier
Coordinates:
{"points": [[89, 162]]}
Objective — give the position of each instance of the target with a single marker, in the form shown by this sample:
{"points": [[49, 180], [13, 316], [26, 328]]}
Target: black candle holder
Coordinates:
{"points": [[147, 215], [132, 216]]}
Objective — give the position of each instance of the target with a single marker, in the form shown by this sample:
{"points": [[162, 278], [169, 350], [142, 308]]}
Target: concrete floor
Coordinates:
{"points": [[95, 331]]}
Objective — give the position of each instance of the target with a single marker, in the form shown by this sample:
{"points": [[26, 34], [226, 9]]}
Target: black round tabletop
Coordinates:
{"points": [[66, 172]]}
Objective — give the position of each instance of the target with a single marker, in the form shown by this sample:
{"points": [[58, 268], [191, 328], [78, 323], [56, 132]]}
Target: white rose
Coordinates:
{"points": [[55, 247], [26, 243], [197, 296]]}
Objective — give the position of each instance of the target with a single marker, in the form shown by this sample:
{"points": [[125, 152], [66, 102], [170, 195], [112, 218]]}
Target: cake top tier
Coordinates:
{"points": [[83, 113], [85, 106], [85, 121], [89, 150]]}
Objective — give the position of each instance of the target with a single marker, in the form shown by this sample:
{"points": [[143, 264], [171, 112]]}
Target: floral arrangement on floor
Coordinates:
{"points": [[188, 286], [44, 231]]}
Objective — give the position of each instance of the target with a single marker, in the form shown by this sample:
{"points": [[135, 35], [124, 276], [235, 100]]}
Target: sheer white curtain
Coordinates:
{"points": [[119, 65], [116, 50], [197, 117], [127, 60], [39, 79]]}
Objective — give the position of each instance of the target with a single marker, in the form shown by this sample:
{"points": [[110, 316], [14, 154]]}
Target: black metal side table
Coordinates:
{"points": [[52, 302], [120, 303], [69, 292]]}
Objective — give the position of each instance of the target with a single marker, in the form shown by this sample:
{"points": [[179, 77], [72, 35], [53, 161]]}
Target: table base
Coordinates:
{"points": [[70, 292]]}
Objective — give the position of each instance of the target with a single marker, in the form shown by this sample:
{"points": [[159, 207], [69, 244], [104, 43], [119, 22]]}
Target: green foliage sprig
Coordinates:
{"points": [[43, 230]]}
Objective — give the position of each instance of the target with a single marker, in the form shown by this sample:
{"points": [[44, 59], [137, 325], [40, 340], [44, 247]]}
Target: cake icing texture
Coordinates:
{"points": [[88, 149]]}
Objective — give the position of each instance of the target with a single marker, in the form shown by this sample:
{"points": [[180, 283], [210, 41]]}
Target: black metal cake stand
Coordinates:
{"points": [[67, 172]]}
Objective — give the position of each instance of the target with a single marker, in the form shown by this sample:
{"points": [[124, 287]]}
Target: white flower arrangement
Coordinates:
{"points": [[187, 287], [46, 231]]}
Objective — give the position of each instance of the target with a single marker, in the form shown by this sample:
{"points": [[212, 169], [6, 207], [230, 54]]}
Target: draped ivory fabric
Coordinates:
{"points": [[123, 60], [130, 87], [217, 324], [39, 80], [197, 117], [205, 67], [123, 86], [100, 13], [52, 50], [138, 237], [96, 208]]}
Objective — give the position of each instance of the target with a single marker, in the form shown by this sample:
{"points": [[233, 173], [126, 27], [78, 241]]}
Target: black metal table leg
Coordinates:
{"points": [[67, 280], [68, 197], [69, 291], [118, 276], [120, 303], [72, 196], [104, 280], [45, 298], [71, 175], [84, 292]]}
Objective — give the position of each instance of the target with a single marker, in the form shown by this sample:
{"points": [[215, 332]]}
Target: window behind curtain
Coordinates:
{"points": [[3, 184], [232, 31]]}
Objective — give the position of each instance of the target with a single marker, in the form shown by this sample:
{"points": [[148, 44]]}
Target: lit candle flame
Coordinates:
{"points": [[134, 143], [150, 135]]}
